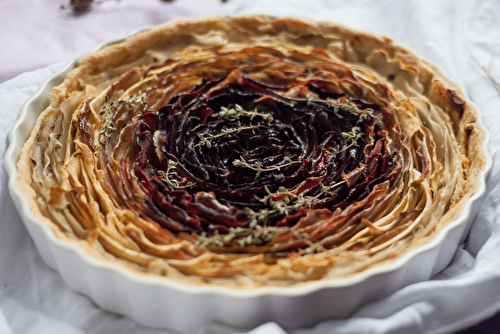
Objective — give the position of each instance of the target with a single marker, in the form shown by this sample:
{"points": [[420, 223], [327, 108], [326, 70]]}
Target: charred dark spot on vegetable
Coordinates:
{"points": [[391, 77], [468, 129], [457, 103], [82, 127]]}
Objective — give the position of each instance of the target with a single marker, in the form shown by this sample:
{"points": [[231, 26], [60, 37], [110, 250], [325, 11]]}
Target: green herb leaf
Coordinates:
{"points": [[257, 167], [169, 175], [237, 111]]}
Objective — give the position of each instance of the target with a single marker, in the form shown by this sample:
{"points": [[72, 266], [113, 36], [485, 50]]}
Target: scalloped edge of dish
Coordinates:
{"points": [[163, 303]]}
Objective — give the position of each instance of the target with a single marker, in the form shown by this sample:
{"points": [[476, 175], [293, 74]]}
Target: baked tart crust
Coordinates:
{"points": [[252, 151]]}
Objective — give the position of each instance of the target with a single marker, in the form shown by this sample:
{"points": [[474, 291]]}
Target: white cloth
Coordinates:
{"points": [[33, 297], [37, 33]]}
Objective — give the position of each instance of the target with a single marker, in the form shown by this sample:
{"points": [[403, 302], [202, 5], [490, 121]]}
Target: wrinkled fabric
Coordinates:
{"points": [[462, 37]]}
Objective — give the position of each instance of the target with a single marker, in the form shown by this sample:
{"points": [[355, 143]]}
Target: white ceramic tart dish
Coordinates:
{"points": [[247, 169]]}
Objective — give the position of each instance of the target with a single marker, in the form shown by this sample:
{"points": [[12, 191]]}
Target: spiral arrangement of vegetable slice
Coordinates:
{"points": [[272, 161], [236, 161]]}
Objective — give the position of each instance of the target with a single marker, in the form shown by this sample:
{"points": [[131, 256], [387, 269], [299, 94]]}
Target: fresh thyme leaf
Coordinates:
{"points": [[108, 127], [315, 248], [207, 138], [351, 138], [202, 240], [369, 112], [237, 111], [257, 167], [139, 100], [345, 106], [233, 114], [169, 176], [108, 108], [288, 202], [310, 98], [240, 236]]}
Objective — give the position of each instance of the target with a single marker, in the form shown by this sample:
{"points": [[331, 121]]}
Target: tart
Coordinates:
{"points": [[251, 152]]}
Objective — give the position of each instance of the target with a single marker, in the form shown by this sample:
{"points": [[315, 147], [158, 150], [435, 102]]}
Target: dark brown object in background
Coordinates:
{"points": [[81, 6]]}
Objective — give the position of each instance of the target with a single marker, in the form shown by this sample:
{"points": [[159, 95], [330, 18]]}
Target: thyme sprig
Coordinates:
{"points": [[316, 247], [207, 138], [169, 176], [237, 111], [256, 234], [286, 202], [233, 114], [290, 202], [348, 106], [345, 106], [109, 107], [310, 98], [370, 113], [140, 100], [351, 138], [241, 236], [257, 167]]}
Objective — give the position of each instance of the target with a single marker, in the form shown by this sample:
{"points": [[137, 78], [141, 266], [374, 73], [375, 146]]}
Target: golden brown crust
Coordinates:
{"points": [[79, 176]]}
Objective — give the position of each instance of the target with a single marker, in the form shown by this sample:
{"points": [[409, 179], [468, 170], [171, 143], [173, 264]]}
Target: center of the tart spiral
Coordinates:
{"points": [[237, 153]]}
